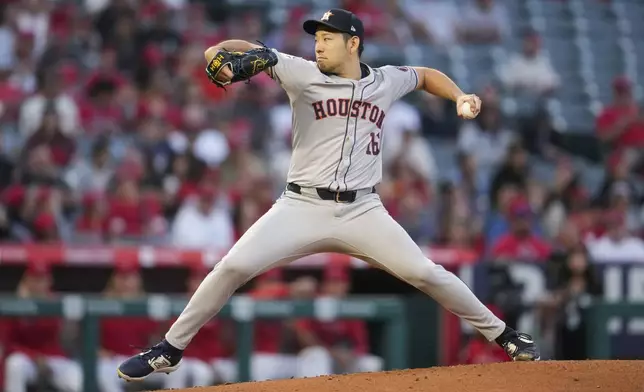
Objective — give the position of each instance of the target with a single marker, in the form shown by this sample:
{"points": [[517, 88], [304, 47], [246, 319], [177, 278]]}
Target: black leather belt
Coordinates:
{"points": [[325, 194]]}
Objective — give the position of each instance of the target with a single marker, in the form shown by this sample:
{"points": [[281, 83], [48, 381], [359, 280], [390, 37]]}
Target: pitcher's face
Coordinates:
{"points": [[332, 50]]}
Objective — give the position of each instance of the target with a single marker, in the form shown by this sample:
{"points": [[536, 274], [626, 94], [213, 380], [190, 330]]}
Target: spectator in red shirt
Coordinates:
{"points": [[208, 358], [45, 228], [122, 336], [337, 346], [49, 133], [101, 113], [620, 126], [89, 226], [10, 95], [125, 216], [520, 243], [33, 343]]}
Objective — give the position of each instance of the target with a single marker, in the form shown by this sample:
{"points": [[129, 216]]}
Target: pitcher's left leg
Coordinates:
{"points": [[378, 239]]}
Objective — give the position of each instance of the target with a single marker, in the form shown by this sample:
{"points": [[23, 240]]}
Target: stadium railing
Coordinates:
{"points": [[88, 311]]}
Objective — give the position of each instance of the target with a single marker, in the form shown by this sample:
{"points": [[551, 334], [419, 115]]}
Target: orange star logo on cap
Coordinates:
{"points": [[326, 15]]}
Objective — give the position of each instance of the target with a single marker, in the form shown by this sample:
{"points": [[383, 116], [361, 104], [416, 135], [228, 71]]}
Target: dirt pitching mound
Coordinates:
{"points": [[546, 376]]}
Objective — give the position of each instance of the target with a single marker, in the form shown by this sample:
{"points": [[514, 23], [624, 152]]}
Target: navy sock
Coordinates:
{"points": [[505, 336], [173, 350]]}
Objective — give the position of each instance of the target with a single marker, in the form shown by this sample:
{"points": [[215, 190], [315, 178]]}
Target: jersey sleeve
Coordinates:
{"points": [[399, 80], [293, 73]]}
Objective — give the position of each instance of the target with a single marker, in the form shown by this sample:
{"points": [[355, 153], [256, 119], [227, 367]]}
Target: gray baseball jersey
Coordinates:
{"points": [[337, 122]]}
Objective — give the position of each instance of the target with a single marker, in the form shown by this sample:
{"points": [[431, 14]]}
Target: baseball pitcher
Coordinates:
{"points": [[330, 203]]}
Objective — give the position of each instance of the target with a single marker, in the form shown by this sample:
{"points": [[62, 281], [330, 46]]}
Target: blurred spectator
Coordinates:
{"points": [[438, 117], [460, 235], [33, 18], [620, 125], [617, 245], [529, 71], [155, 149], [7, 36], [205, 146], [483, 22], [253, 106], [181, 182], [11, 95], [49, 93], [122, 336], [567, 242], [473, 186], [427, 21], [521, 243], [101, 114], [6, 168], [403, 178], [338, 346], [565, 196], [50, 134], [242, 164], [91, 175], [414, 217], [35, 354], [304, 288], [128, 218], [564, 309], [5, 224], [374, 18], [203, 223], [405, 142], [45, 229], [161, 34], [124, 41], [486, 138], [620, 192], [104, 73], [24, 68], [89, 225], [514, 172], [109, 15], [39, 167]]}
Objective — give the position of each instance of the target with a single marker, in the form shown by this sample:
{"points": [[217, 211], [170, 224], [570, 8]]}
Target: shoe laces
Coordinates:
{"points": [[147, 353], [525, 336]]}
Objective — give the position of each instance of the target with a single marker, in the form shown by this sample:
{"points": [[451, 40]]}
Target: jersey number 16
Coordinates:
{"points": [[373, 148]]}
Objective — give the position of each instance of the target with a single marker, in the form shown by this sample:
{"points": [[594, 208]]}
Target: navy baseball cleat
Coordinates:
{"points": [[518, 346], [161, 358]]}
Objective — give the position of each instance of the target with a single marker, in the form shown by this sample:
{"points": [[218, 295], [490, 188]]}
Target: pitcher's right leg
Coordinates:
{"points": [[295, 226], [378, 239]]}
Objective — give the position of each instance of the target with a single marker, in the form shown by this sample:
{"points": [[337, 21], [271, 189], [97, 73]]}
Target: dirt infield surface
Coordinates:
{"points": [[546, 376]]}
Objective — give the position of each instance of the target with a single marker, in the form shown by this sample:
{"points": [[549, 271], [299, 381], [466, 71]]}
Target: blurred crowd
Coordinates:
{"points": [[112, 134], [41, 352]]}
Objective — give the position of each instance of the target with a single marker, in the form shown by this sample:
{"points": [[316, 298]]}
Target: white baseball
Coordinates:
{"points": [[466, 110]]}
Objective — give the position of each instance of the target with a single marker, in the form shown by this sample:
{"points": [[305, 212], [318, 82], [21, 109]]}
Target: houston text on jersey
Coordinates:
{"points": [[340, 107]]}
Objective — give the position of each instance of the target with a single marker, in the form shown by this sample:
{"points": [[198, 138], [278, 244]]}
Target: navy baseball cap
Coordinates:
{"points": [[340, 20]]}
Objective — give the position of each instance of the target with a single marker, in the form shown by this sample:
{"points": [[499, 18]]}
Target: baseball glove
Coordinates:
{"points": [[244, 65]]}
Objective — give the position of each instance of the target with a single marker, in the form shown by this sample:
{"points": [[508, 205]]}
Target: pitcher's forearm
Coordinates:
{"points": [[437, 83]]}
